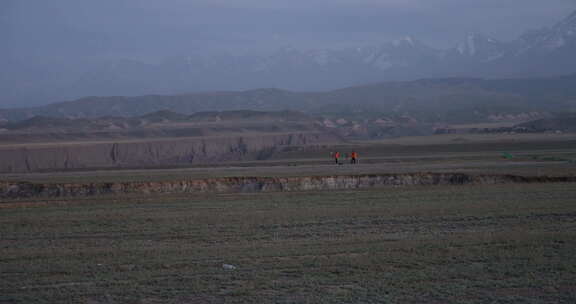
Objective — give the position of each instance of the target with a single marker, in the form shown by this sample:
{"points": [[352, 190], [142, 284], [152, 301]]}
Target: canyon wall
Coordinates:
{"points": [[149, 153], [262, 184]]}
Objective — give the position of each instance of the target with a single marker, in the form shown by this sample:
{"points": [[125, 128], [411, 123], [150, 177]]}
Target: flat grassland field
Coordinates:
{"points": [[509, 243], [438, 244]]}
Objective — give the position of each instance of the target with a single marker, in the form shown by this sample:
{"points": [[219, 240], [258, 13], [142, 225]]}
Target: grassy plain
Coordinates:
{"points": [[443, 244], [417, 244], [534, 154]]}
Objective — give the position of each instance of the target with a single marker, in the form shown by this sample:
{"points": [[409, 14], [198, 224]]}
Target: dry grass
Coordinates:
{"points": [[530, 163], [448, 139], [487, 244]]}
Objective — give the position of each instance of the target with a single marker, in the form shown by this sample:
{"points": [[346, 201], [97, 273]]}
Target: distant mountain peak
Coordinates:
{"points": [[482, 47], [405, 41], [567, 27], [539, 52], [559, 36], [569, 21]]}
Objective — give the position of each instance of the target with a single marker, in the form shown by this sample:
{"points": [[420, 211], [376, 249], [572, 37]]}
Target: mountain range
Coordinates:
{"points": [[537, 53], [425, 101]]}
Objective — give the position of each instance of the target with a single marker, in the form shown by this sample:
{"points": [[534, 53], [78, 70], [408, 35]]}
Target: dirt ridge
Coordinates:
{"points": [[263, 184], [150, 152]]}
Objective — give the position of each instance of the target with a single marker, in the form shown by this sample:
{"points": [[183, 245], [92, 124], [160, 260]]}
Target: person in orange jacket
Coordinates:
{"points": [[354, 157]]}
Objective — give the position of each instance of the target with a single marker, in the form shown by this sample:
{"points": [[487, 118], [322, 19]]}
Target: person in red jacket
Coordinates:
{"points": [[336, 156]]}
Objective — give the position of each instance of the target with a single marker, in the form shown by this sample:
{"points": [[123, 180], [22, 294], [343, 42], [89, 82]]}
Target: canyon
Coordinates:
{"points": [[36, 157]]}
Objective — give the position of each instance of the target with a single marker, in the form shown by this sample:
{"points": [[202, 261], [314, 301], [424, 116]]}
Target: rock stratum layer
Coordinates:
{"points": [[150, 153], [262, 184]]}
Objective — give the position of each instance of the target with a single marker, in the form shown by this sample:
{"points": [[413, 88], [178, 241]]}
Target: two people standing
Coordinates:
{"points": [[353, 157]]}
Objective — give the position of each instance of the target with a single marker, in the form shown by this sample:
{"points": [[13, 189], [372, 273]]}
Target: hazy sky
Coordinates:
{"points": [[174, 27], [53, 50]]}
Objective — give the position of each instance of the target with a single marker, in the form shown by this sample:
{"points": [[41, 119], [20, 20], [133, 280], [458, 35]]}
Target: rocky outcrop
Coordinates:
{"points": [[262, 184], [150, 153]]}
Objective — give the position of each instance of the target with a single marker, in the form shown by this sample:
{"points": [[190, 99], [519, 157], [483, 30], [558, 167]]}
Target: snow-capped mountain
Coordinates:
{"points": [[481, 48], [543, 52], [546, 51], [405, 52], [561, 35]]}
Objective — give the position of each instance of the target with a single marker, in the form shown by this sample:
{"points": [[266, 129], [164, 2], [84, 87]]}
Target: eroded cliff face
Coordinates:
{"points": [[262, 184], [159, 152]]}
